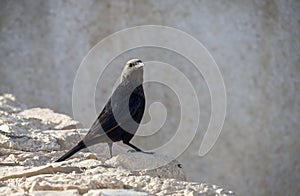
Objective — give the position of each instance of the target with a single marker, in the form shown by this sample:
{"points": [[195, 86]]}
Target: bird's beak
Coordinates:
{"points": [[139, 65]]}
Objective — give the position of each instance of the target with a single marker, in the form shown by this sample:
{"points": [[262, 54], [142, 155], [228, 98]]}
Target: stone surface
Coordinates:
{"points": [[148, 164], [28, 168], [59, 121], [115, 192], [54, 193], [9, 104]]}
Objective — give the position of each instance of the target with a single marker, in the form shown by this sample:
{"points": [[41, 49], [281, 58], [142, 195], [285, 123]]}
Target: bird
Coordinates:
{"points": [[121, 115]]}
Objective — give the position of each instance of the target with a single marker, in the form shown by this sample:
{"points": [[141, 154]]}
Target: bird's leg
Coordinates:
{"points": [[110, 149], [136, 148], [132, 146]]}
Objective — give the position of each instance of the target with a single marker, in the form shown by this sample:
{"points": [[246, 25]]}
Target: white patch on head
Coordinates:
{"points": [[133, 71]]}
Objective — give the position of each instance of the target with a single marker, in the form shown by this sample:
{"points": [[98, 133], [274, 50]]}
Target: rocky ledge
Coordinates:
{"points": [[31, 139]]}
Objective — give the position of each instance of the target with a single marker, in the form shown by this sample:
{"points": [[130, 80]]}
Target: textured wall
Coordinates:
{"points": [[255, 43]]}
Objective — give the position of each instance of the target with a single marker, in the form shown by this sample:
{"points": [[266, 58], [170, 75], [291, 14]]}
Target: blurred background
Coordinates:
{"points": [[256, 45]]}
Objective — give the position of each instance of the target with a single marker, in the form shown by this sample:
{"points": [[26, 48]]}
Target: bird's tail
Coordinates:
{"points": [[77, 148]]}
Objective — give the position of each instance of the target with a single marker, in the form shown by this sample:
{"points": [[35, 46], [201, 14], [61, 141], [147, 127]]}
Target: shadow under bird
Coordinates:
{"points": [[122, 114]]}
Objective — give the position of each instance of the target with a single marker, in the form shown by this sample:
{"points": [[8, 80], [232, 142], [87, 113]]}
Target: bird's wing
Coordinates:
{"points": [[106, 121]]}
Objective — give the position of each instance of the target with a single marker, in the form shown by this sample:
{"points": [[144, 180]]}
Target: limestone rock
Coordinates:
{"points": [[115, 192], [29, 145], [72, 192], [9, 104], [67, 139], [59, 121], [31, 142], [150, 164]]}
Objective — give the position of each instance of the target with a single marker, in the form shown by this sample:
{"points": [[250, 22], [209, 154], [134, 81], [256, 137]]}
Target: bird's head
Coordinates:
{"points": [[133, 71]]}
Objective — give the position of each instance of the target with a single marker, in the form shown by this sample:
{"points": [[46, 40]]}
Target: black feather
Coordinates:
{"points": [[129, 104]]}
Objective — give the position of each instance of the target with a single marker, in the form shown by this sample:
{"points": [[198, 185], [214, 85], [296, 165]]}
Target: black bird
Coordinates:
{"points": [[121, 116]]}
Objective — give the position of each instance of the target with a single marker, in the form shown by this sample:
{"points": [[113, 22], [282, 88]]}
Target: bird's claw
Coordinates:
{"points": [[132, 151]]}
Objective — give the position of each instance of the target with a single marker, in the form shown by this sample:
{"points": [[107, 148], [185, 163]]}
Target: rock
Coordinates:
{"points": [[9, 104], [59, 121], [49, 169], [7, 190], [67, 139], [148, 164], [55, 193], [29, 145], [115, 192], [138, 161], [33, 141], [86, 175], [82, 183]]}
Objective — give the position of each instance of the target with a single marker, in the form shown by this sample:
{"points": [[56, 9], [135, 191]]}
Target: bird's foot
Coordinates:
{"points": [[148, 152], [132, 151]]}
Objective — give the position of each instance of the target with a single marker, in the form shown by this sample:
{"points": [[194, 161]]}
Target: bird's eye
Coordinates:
{"points": [[131, 65]]}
